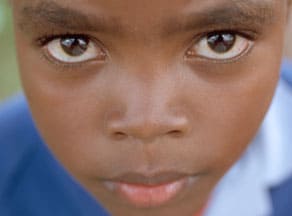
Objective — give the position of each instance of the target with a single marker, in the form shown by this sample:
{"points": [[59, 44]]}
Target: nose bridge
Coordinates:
{"points": [[150, 111]]}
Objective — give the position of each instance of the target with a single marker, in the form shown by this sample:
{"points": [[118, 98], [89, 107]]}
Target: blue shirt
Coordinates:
{"points": [[33, 183]]}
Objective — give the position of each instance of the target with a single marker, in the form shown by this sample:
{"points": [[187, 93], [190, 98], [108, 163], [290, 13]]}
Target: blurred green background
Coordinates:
{"points": [[9, 82]]}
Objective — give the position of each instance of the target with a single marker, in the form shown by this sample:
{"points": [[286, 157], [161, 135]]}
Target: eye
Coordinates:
{"points": [[74, 49], [221, 46]]}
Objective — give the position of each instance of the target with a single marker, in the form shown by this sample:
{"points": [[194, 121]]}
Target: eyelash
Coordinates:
{"points": [[46, 39]]}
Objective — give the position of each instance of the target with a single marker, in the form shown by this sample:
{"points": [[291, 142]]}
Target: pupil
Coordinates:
{"points": [[74, 46], [221, 42]]}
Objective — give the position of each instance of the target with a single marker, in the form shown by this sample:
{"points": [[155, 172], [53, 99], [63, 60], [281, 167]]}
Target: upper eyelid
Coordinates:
{"points": [[44, 40], [47, 37], [248, 34]]}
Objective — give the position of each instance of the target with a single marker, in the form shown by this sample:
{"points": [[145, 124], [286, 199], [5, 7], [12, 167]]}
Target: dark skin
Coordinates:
{"points": [[142, 88]]}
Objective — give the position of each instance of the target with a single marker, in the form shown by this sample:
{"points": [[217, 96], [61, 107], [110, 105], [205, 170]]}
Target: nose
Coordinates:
{"points": [[147, 116], [148, 127]]}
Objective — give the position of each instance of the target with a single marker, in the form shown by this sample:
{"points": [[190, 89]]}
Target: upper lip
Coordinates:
{"points": [[149, 179]]}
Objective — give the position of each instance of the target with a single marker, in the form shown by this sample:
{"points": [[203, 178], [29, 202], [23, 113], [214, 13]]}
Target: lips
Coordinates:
{"points": [[149, 179], [149, 190]]}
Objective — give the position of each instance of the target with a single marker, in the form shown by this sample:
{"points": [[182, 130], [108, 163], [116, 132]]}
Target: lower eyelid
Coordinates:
{"points": [[237, 58], [204, 60]]}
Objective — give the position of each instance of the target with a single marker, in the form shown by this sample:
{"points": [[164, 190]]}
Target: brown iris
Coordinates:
{"points": [[221, 42], [74, 46]]}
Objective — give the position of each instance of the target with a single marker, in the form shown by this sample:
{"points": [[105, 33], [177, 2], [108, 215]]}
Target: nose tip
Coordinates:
{"points": [[148, 128]]}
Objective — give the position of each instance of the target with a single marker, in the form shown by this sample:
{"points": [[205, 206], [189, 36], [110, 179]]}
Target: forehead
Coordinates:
{"points": [[148, 9]]}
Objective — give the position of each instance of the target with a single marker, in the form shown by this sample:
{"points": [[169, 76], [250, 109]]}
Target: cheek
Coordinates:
{"points": [[231, 113], [66, 108]]}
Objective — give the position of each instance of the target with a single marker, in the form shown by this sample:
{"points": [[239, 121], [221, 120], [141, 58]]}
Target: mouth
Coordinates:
{"points": [[150, 190]]}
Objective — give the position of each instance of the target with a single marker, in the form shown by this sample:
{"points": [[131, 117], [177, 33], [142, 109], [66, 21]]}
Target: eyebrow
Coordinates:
{"points": [[232, 13], [56, 16], [235, 13]]}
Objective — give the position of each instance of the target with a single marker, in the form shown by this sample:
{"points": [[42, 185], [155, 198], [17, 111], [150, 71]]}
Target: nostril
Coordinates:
{"points": [[119, 135], [175, 133]]}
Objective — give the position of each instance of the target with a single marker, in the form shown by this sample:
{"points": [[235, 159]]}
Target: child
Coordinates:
{"points": [[147, 105]]}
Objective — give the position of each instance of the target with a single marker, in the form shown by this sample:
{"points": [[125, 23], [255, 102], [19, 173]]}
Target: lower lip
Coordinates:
{"points": [[148, 195]]}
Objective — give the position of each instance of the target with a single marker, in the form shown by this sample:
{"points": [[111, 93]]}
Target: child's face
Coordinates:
{"points": [[148, 92]]}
